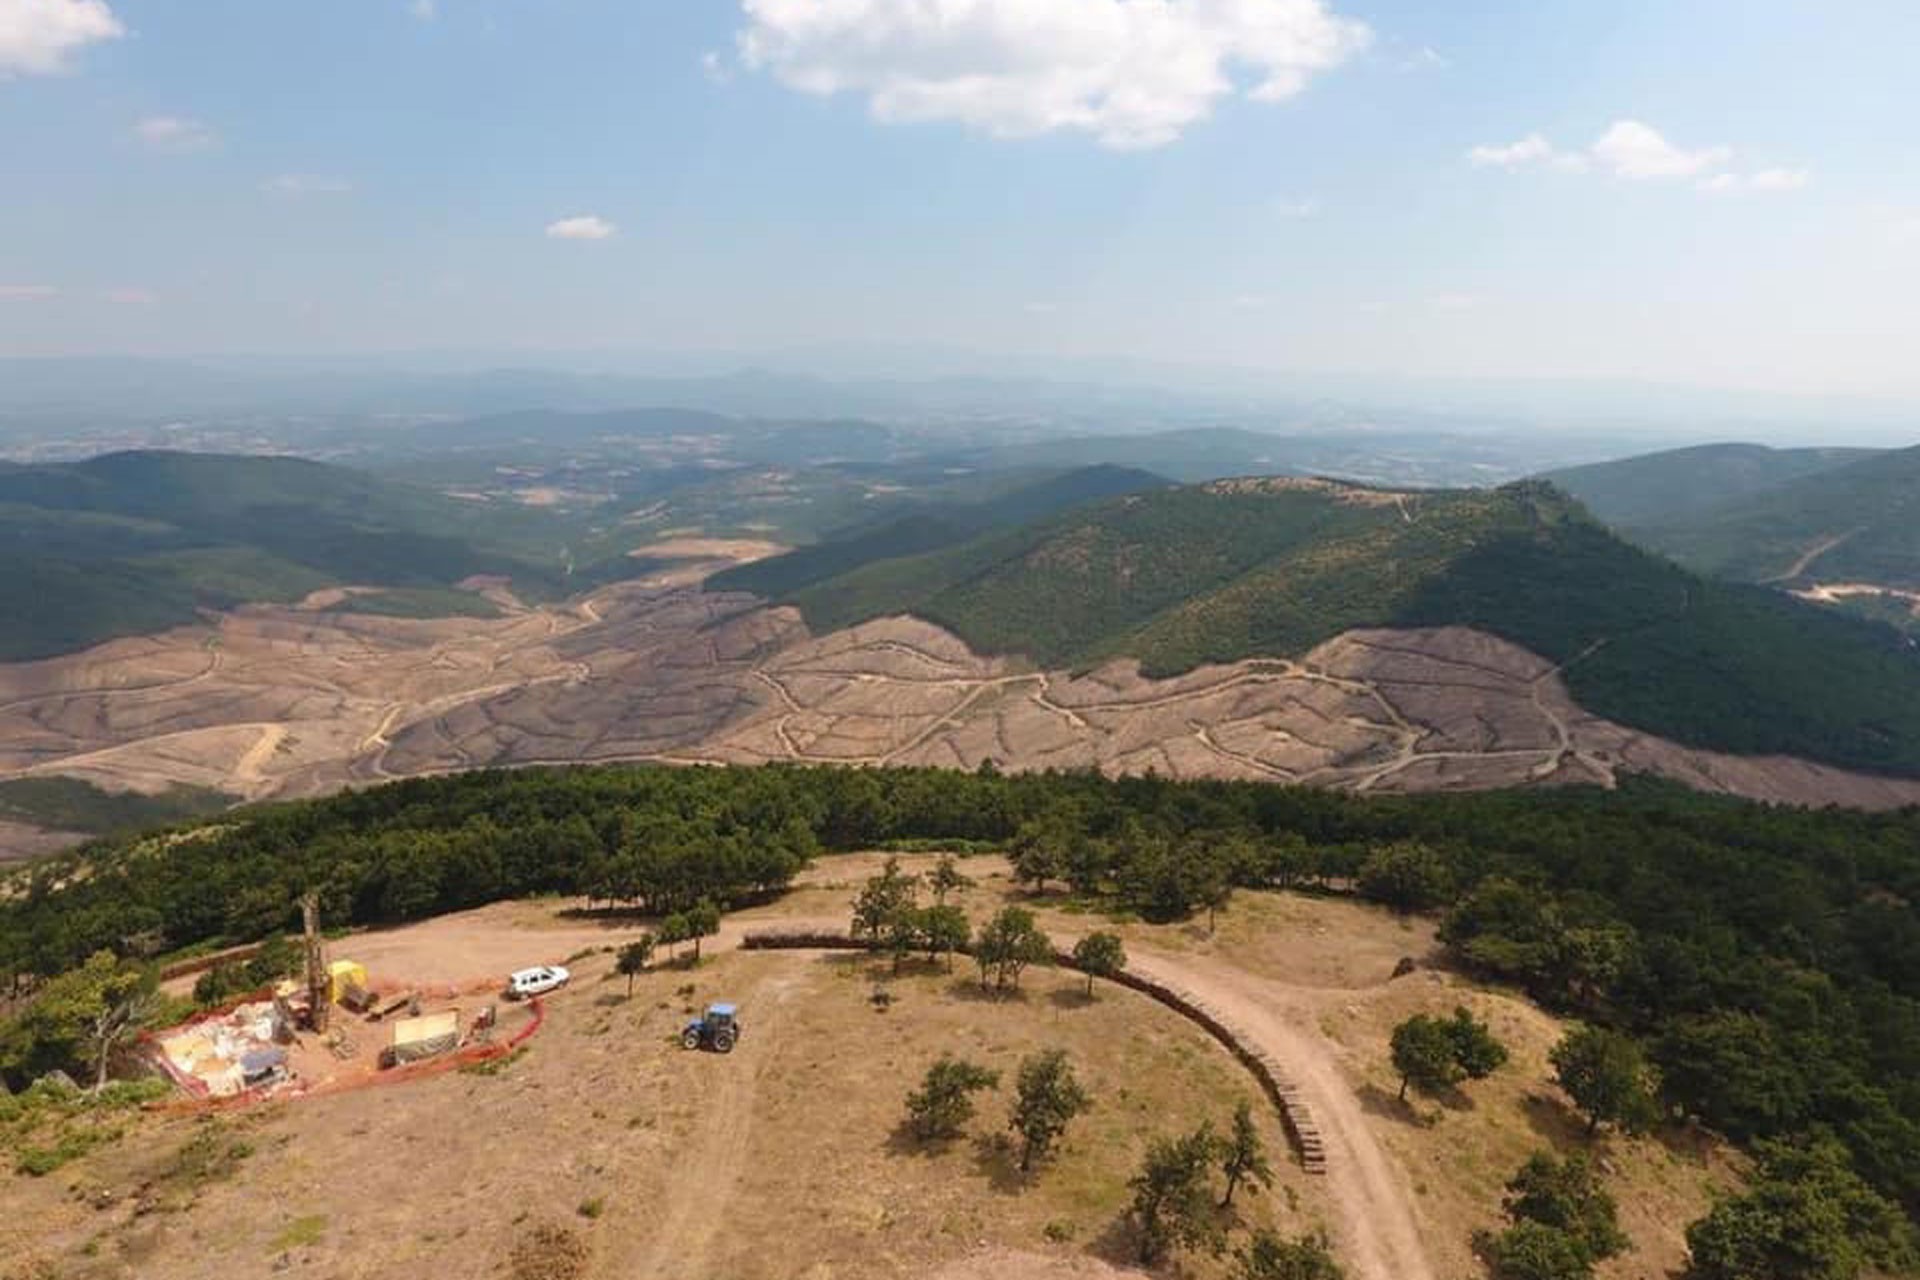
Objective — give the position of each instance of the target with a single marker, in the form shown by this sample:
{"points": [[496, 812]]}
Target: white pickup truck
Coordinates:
{"points": [[536, 981]]}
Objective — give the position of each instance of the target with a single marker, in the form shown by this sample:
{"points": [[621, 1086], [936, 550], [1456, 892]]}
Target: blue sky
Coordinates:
{"points": [[1707, 192]]}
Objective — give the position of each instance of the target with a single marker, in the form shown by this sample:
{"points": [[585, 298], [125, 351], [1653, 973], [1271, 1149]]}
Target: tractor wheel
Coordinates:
{"points": [[690, 1038], [723, 1042]]}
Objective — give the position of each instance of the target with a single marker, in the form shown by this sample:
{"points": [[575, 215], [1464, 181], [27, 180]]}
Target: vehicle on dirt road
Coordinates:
{"points": [[717, 1030], [536, 981]]}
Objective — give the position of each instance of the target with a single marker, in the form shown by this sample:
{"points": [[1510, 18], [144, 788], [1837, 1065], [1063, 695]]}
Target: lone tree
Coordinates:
{"points": [[886, 910], [1607, 1077], [947, 878], [1007, 945], [942, 930], [943, 1104], [634, 959], [1273, 1257], [1424, 1055], [1172, 1201], [1099, 955], [1047, 1098], [703, 921], [1243, 1157], [1475, 1047], [1565, 1195]]}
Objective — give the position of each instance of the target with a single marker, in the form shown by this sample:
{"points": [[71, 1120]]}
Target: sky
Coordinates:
{"points": [[1718, 192]]}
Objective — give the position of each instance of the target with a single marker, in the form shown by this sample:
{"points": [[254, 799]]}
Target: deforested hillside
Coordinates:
{"points": [[1269, 568]]}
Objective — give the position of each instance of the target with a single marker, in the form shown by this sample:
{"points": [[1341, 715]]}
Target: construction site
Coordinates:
{"points": [[337, 1026]]}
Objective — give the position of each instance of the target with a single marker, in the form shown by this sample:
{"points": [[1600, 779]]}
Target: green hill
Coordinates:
{"points": [[1660, 487], [1856, 523], [941, 525], [1182, 576], [134, 542]]}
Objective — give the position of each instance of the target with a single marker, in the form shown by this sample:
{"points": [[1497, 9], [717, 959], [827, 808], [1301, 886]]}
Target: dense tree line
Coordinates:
{"points": [[1765, 961]]}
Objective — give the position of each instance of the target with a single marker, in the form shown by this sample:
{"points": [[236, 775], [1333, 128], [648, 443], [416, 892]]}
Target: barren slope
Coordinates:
{"points": [[289, 701]]}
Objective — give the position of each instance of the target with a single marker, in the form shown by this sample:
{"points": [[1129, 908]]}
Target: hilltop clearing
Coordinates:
{"points": [[786, 1158]]}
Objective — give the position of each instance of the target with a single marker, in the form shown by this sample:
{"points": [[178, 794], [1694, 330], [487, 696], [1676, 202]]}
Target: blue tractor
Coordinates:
{"points": [[718, 1030]]}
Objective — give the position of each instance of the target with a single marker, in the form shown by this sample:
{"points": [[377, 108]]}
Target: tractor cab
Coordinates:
{"points": [[717, 1030]]}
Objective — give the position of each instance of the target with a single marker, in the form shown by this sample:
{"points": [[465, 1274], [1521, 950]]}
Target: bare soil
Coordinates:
{"points": [[277, 702]]}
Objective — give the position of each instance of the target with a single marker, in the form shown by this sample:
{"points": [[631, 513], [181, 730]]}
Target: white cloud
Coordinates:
{"points": [[174, 133], [36, 36], [1779, 180], [1766, 181], [305, 184], [424, 10], [1530, 150], [715, 67], [1133, 73], [1639, 152], [584, 227], [1296, 207], [26, 292]]}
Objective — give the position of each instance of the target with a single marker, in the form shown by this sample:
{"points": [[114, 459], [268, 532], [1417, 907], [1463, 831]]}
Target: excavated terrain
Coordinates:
{"points": [[289, 701]]}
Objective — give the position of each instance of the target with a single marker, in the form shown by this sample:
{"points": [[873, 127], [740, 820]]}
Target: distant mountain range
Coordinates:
{"points": [[1177, 577]]}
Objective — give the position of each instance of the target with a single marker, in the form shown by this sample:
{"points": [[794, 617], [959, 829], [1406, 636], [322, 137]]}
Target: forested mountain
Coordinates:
{"points": [[135, 542], [1269, 568], [1677, 484], [1859, 523], [937, 526]]}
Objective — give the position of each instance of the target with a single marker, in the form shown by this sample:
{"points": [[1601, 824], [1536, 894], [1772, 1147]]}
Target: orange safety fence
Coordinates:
{"points": [[467, 1055]]}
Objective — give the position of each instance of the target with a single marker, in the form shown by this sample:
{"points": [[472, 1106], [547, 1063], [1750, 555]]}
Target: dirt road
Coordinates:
{"points": [[682, 1230], [1380, 1238]]}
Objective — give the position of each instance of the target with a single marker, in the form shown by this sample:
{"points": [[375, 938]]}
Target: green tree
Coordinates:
{"points": [[1475, 1047], [1607, 1076], [634, 958], [703, 921], [81, 1019], [1040, 850], [1268, 1256], [1806, 1216], [943, 930], [1007, 944], [1425, 1055], [1099, 955], [886, 911], [1172, 1199], [674, 930], [1047, 1096], [947, 878], [1566, 1194], [1243, 1157], [1406, 876], [1530, 1250], [943, 1104]]}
